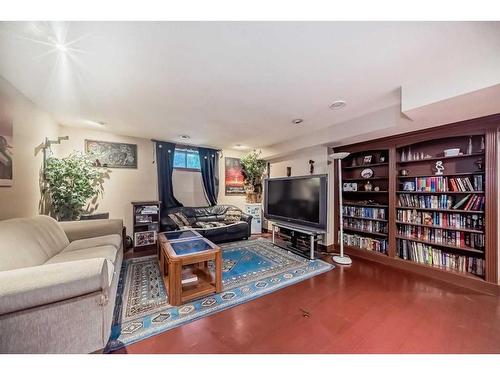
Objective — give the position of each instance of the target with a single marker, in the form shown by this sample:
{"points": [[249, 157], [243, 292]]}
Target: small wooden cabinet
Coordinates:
{"points": [[146, 224]]}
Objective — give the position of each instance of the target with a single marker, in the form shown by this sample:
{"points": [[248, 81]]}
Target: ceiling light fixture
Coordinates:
{"points": [[61, 47], [338, 104], [297, 121], [184, 137], [240, 146]]}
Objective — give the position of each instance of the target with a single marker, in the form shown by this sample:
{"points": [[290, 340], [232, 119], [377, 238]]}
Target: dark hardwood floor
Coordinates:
{"points": [[364, 308]]}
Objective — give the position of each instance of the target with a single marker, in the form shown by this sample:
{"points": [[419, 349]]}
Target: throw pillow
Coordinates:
{"points": [[183, 218], [208, 224], [232, 216], [176, 220]]}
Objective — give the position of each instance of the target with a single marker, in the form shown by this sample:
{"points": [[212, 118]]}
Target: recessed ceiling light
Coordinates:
{"points": [[338, 104], [61, 47], [240, 147], [297, 121], [184, 137]]}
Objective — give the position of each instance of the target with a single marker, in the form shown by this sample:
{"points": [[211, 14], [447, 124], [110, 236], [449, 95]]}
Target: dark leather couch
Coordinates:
{"points": [[230, 232]]}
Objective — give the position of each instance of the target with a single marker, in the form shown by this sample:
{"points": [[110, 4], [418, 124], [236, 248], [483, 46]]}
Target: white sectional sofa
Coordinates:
{"points": [[58, 284]]}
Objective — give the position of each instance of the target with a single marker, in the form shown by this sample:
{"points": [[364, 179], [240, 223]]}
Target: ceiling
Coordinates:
{"points": [[228, 83]]}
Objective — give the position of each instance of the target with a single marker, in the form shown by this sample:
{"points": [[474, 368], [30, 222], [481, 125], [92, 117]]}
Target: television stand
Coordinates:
{"points": [[312, 234]]}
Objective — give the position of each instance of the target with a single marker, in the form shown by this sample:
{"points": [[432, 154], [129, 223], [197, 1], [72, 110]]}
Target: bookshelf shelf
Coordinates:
{"points": [[365, 166], [365, 205], [440, 192], [441, 227], [366, 192], [440, 210], [365, 179], [365, 231], [443, 175], [441, 268], [444, 158], [363, 218], [437, 244]]}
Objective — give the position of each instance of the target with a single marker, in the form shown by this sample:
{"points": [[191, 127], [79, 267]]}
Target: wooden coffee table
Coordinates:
{"points": [[184, 255]]}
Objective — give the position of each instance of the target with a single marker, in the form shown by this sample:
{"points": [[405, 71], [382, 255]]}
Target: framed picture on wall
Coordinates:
{"points": [[233, 179], [112, 154], [6, 148]]}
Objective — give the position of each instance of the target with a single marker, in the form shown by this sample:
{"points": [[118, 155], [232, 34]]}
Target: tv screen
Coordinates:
{"points": [[300, 200]]}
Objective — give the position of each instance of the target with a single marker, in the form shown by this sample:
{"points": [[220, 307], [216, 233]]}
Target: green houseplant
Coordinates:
{"points": [[71, 182], [253, 168]]}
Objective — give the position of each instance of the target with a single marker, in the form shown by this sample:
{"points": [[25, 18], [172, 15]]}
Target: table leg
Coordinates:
{"points": [[312, 247], [218, 272], [174, 282]]}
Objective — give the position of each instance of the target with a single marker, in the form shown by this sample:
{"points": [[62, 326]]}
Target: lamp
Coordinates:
{"points": [[341, 258]]}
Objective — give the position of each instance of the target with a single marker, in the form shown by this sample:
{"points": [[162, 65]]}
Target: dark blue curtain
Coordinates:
{"points": [[165, 167], [209, 163]]}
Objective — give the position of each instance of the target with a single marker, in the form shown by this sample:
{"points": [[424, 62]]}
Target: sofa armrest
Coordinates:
{"points": [[28, 287], [248, 218], [77, 230]]}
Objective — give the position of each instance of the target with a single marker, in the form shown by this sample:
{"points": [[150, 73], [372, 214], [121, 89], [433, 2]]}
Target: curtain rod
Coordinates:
{"points": [[185, 144]]}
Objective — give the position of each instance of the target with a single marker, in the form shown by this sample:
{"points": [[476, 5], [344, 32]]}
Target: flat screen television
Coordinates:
{"points": [[299, 200]]}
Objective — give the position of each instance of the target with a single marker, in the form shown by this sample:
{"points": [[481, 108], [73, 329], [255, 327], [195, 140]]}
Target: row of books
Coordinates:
{"points": [[442, 219], [368, 212], [425, 254], [471, 202], [444, 184], [144, 210], [366, 225], [443, 236], [366, 243]]}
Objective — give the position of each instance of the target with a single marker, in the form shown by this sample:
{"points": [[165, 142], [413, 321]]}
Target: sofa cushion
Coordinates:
{"points": [[209, 224], [30, 242], [85, 243], [232, 216], [107, 251]]}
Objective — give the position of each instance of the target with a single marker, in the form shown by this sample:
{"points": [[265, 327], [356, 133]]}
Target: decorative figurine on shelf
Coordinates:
{"points": [[404, 172], [439, 168], [381, 159], [449, 202], [353, 162], [479, 164], [410, 156], [403, 156], [368, 186], [376, 188], [482, 147], [469, 146], [311, 166], [367, 159]]}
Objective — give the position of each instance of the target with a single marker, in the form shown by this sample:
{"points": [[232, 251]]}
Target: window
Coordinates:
{"points": [[185, 158]]}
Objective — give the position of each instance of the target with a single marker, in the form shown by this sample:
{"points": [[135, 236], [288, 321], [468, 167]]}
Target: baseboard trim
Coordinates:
{"points": [[464, 281]]}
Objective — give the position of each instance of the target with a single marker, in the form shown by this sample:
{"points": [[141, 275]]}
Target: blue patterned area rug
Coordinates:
{"points": [[250, 270]]}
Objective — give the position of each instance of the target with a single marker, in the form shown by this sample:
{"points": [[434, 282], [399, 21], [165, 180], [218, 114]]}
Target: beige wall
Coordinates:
{"points": [[30, 126], [124, 185]]}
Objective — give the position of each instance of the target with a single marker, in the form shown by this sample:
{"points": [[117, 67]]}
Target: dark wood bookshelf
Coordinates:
{"points": [[480, 135], [441, 227], [142, 231]]}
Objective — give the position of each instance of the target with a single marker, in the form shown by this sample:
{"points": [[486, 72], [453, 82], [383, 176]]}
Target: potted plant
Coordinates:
{"points": [[253, 168], [71, 182]]}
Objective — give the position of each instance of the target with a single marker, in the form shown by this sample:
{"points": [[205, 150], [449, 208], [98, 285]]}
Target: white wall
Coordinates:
{"points": [[30, 127]]}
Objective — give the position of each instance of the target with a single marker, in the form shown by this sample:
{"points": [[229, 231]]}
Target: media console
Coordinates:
{"points": [[299, 234]]}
